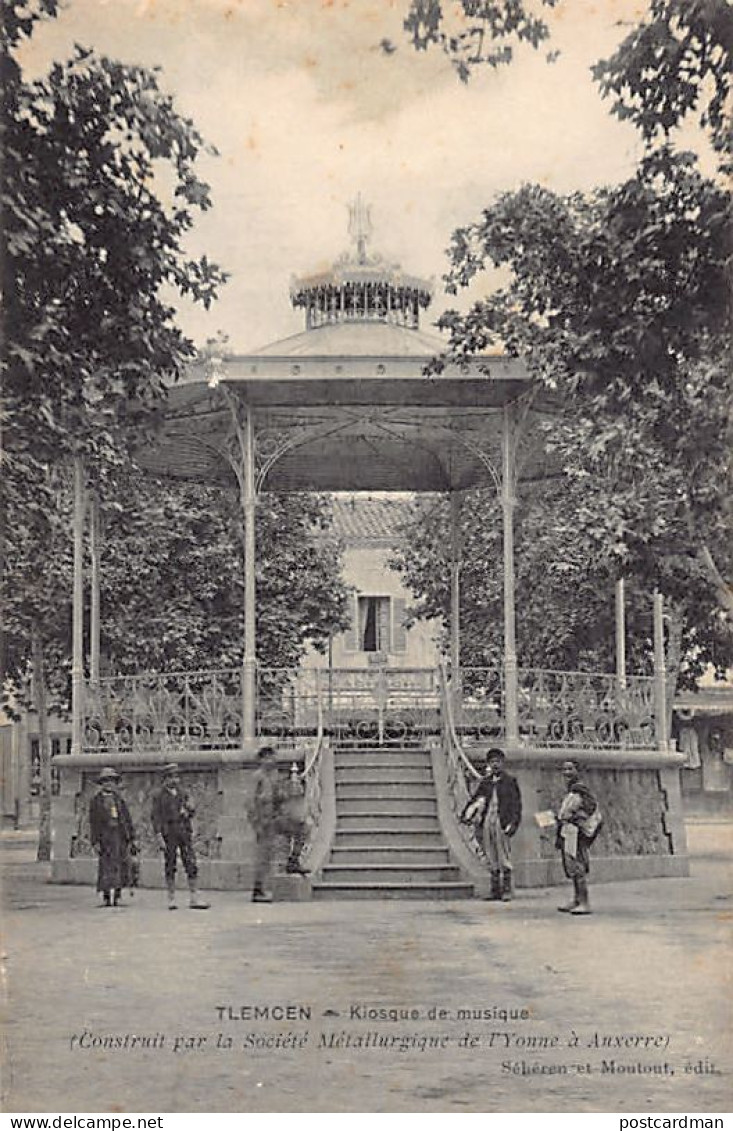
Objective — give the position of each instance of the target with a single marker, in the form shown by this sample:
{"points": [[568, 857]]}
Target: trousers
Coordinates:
{"points": [[267, 836], [497, 846], [175, 843]]}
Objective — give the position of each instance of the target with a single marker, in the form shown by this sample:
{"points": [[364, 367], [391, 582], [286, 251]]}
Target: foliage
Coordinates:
{"points": [[172, 581], [566, 567], [617, 300], [477, 32], [674, 64], [677, 61], [99, 190]]}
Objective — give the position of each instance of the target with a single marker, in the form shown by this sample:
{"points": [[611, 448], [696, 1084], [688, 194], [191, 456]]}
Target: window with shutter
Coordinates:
{"points": [[373, 622], [399, 632], [351, 640]]}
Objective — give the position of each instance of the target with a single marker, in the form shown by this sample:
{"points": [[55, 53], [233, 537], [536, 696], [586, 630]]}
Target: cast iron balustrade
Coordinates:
{"points": [[587, 710], [202, 710], [155, 711]]}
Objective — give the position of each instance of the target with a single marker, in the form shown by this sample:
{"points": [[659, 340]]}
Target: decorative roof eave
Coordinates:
{"points": [[360, 273]]}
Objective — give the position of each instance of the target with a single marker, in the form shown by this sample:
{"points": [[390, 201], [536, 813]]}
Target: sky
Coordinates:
{"points": [[305, 110]]}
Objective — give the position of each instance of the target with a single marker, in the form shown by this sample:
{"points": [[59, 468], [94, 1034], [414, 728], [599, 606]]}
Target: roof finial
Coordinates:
{"points": [[360, 226]]}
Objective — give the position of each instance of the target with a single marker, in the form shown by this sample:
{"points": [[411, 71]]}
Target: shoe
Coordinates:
{"points": [[569, 907], [262, 896], [581, 891], [172, 905], [506, 890], [198, 904], [295, 868]]}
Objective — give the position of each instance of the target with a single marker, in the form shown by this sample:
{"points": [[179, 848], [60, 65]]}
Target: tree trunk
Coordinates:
{"points": [[722, 589], [44, 747]]}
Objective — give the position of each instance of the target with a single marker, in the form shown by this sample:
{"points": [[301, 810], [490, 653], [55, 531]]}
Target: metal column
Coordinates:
{"points": [[620, 633], [508, 500], [77, 615], [660, 673], [249, 501]]}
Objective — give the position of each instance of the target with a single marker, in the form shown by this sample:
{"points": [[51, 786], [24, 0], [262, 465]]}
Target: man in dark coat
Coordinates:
{"points": [[497, 802], [274, 811], [172, 816], [578, 821], [113, 836]]}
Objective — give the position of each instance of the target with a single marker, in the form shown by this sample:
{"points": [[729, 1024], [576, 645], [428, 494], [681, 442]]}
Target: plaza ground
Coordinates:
{"points": [[647, 977]]}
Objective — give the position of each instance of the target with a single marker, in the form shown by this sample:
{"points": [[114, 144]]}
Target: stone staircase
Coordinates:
{"points": [[388, 843]]}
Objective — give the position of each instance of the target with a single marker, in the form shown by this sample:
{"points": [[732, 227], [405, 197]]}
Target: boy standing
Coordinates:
{"points": [[172, 816]]}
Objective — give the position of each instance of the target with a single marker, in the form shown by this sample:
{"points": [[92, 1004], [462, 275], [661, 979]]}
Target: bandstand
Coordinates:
{"points": [[385, 755]]}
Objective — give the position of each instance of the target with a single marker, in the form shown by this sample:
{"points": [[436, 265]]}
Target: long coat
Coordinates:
{"points": [[509, 799], [112, 833]]}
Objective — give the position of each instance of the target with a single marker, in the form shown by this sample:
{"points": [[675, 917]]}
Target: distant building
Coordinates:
{"points": [[377, 634], [703, 729]]}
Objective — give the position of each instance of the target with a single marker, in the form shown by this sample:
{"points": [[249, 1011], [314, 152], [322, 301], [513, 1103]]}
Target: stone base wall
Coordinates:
{"points": [[224, 840], [643, 834]]}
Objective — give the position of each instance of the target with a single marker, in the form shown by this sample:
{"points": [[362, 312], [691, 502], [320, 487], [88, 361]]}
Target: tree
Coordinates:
{"points": [[676, 62], [617, 300], [566, 567], [478, 32], [172, 578], [99, 189]]}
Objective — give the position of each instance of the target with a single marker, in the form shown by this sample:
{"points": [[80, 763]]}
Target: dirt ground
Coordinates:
{"points": [[628, 1010]]}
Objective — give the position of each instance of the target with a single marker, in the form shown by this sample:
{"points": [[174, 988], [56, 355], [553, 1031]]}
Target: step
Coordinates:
{"points": [[383, 790], [390, 824], [394, 836], [367, 772], [362, 852], [381, 757], [386, 806], [372, 872], [392, 891]]}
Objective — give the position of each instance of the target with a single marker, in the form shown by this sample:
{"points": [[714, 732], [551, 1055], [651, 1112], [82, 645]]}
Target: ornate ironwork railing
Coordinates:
{"points": [[585, 710], [478, 709], [389, 706], [287, 705], [151, 711], [462, 776]]}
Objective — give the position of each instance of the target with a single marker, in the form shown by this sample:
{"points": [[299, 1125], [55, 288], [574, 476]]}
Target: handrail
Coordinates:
{"points": [[317, 750], [459, 768], [450, 728]]}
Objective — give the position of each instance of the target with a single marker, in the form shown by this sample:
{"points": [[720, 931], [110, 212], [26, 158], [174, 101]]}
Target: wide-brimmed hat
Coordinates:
{"points": [[170, 768], [108, 774]]}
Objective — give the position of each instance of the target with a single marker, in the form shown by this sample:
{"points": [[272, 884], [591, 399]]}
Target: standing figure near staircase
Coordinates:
{"points": [[497, 802], [113, 836], [273, 812], [578, 824], [172, 823]]}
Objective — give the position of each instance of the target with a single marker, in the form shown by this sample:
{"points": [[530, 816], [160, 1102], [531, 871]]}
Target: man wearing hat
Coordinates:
{"points": [[113, 836], [172, 815], [273, 811], [497, 803]]}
